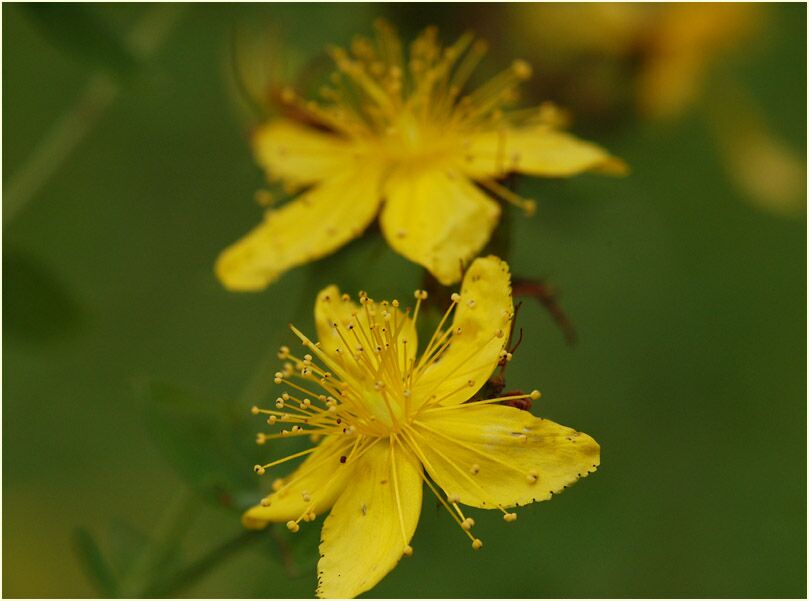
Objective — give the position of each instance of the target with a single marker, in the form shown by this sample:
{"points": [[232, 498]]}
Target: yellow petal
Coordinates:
{"points": [[686, 40], [669, 85], [484, 316], [369, 526], [489, 455], [536, 150], [313, 225], [301, 155], [320, 479], [437, 219]]}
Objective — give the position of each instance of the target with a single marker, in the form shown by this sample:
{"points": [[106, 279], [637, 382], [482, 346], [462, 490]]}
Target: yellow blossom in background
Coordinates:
{"points": [[385, 414], [662, 60], [396, 130], [688, 39], [667, 49]]}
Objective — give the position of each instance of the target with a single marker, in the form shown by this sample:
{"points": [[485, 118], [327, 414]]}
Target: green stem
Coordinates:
{"points": [[184, 578], [168, 535], [77, 122]]}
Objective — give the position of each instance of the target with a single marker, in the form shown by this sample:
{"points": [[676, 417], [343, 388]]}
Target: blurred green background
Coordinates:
{"points": [[128, 371]]}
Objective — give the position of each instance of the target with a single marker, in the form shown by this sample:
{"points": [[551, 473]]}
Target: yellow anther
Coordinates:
{"points": [[305, 496], [394, 303], [407, 551], [471, 303], [272, 420], [287, 95], [279, 403], [510, 517], [420, 294], [292, 526], [458, 331], [259, 470], [455, 297], [265, 502], [277, 484], [535, 394], [532, 477], [529, 207], [283, 352], [264, 198], [453, 498], [261, 438], [477, 544], [521, 69], [279, 377], [254, 410], [475, 469], [499, 333], [467, 524], [285, 396], [307, 358]]}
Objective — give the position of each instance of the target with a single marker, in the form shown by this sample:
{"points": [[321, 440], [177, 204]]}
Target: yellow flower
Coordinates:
{"points": [[689, 38], [385, 414], [668, 49], [401, 131]]}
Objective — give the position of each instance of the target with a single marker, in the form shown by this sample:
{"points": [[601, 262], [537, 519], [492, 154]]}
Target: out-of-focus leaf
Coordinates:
{"points": [[296, 553], [93, 562], [77, 30], [202, 437], [36, 306], [126, 544]]}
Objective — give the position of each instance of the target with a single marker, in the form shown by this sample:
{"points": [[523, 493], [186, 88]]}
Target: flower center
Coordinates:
{"points": [[412, 141]]}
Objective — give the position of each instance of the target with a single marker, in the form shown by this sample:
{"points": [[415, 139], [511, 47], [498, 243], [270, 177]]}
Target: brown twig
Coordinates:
{"points": [[547, 296]]}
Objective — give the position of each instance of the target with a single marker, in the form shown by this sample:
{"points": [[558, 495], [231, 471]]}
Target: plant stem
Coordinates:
{"points": [[77, 122], [187, 576], [167, 537]]}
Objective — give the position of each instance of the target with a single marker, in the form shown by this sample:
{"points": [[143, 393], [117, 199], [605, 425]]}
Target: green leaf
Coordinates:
{"points": [[208, 441], [93, 562], [298, 552], [77, 30], [36, 306], [126, 545]]}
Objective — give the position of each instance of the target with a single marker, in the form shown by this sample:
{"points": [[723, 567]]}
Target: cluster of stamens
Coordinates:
{"points": [[410, 106], [359, 392]]}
